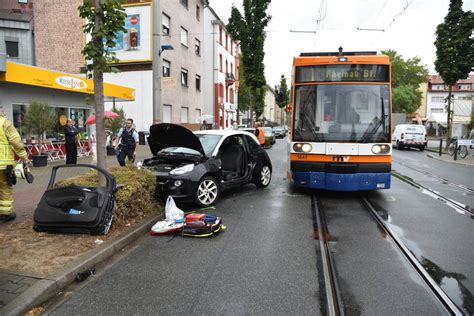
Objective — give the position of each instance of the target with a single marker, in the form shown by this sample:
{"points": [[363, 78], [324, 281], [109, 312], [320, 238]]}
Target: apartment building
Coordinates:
{"points": [[60, 39], [222, 68], [16, 31], [462, 103]]}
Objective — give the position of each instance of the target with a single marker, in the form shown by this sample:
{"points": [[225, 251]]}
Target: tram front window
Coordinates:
{"points": [[342, 113]]}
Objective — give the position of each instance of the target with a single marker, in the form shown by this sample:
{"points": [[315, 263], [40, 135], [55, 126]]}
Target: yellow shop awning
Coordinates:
{"points": [[40, 77]]}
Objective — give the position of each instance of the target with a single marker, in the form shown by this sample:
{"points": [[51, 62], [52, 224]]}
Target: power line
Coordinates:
{"points": [[378, 14], [408, 2]]}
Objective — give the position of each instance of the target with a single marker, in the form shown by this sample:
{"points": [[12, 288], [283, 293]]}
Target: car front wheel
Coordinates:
{"points": [[207, 192], [263, 177]]}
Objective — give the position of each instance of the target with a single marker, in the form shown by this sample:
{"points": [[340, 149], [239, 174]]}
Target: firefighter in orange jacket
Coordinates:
{"points": [[10, 144], [260, 133]]}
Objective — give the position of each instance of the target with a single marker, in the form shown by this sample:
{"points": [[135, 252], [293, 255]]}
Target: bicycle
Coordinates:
{"points": [[462, 149]]}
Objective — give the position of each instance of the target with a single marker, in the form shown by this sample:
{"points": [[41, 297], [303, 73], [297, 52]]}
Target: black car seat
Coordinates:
{"points": [[232, 159]]}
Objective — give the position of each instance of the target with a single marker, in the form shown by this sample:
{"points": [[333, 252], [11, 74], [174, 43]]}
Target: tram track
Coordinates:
{"points": [[443, 180], [453, 203], [333, 302]]}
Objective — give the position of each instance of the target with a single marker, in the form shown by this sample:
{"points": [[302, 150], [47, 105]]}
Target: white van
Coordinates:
{"points": [[406, 135]]}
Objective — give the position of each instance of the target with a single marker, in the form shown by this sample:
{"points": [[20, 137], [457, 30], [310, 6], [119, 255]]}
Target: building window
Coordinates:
{"points": [[231, 47], [198, 82], [184, 37], [231, 95], [166, 24], [220, 35], [232, 69], [220, 62], [23, 1], [226, 68], [438, 87], [437, 110], [166, 68], [465, 87], [198, 116], [226, 40], [184, 77], [184, 115], [198, 13], [167, 110], [437, 99], [184, 3], [197, 46], [12, 49]]}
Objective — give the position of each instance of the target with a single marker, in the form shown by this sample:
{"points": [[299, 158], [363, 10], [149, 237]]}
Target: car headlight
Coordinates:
{"points": [[182, 170], [380, 149], [302, 147]]}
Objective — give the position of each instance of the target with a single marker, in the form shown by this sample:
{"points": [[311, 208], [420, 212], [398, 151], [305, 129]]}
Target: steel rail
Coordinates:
{"points": [[460, 186], [443, 198], [333, 297], [437, 291]]}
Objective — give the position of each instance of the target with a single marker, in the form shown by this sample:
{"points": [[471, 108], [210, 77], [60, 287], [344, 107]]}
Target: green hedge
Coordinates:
{"points": [[135, 199]]}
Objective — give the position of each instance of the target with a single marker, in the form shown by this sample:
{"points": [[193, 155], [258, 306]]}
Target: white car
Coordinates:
{"points": [[408, 135]]}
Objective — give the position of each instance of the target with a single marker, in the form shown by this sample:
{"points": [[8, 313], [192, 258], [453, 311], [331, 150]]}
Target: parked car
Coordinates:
{"points": [[269, 133], [197, 167], [409, 135], [279, 132]]}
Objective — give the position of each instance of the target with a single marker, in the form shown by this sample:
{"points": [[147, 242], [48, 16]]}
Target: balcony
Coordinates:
{"points": [[229, 79]]}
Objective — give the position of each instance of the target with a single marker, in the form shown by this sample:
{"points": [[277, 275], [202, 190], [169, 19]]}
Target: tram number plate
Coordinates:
{"points": [[302, 156]]}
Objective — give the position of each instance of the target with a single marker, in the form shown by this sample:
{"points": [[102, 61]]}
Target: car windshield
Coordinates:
{"points": [[342, 113], [180, 151], [268, 131], [208, 142]]}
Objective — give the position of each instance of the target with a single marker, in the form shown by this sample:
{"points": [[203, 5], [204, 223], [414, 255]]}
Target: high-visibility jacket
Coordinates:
{"points": [[10, 142], [260, 135]]}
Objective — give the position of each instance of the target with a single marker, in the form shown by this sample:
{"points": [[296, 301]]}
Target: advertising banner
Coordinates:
{"points": [[135, 44]]}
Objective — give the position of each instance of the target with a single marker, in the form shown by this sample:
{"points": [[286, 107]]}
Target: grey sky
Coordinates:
{"points": [[411, 34]]}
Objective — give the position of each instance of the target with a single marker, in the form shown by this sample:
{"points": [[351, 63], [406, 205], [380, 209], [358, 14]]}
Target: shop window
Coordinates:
{"points": [[19, 116], [12, 49]]}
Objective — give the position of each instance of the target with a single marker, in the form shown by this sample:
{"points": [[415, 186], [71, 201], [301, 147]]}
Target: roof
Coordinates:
{"points": [[436, 79], [223, 132]]}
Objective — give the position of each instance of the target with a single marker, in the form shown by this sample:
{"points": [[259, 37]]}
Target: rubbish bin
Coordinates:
{"points": [[141, 138]]}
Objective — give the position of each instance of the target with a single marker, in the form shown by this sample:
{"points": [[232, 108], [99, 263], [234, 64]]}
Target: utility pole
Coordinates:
{"points": [[157, 107]]}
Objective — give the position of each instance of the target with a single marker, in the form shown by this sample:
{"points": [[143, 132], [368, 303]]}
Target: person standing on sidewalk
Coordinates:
{"points": [[71, 142], [127, 142], [10, 144]]}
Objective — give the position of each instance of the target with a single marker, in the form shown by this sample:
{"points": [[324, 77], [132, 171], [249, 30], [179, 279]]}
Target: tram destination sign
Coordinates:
{"points": [[343, 73]]}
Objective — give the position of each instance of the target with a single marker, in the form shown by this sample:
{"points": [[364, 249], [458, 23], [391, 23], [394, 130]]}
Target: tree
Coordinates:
{"points": [[454, 49], [407, 75], [40, 119], [282, 95], [104, 19], [249, 29], [115, 124]]}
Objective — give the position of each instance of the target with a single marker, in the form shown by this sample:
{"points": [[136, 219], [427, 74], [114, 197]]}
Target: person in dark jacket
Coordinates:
{"points": [[127, 143], [71, 142]]}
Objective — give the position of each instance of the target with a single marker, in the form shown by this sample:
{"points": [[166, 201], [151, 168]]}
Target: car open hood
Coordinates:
{"points": [[171, 135]]}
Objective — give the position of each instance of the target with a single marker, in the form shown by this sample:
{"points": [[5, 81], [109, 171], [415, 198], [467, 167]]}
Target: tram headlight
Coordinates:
{"points": [[380, 149], [302, 147]]}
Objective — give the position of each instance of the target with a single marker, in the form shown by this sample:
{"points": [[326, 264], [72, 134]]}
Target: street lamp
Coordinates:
{"points": [[165, 47]]}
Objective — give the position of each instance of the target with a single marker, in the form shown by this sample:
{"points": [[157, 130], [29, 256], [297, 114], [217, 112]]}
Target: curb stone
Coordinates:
{"points": [[46, 288]]}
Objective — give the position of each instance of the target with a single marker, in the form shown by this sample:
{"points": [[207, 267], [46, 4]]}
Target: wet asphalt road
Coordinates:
{"points": [[265, 262]]}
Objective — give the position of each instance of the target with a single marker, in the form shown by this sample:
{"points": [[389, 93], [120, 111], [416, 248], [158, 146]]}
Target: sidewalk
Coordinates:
{"points": [[21, 290], [433, 152]]}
